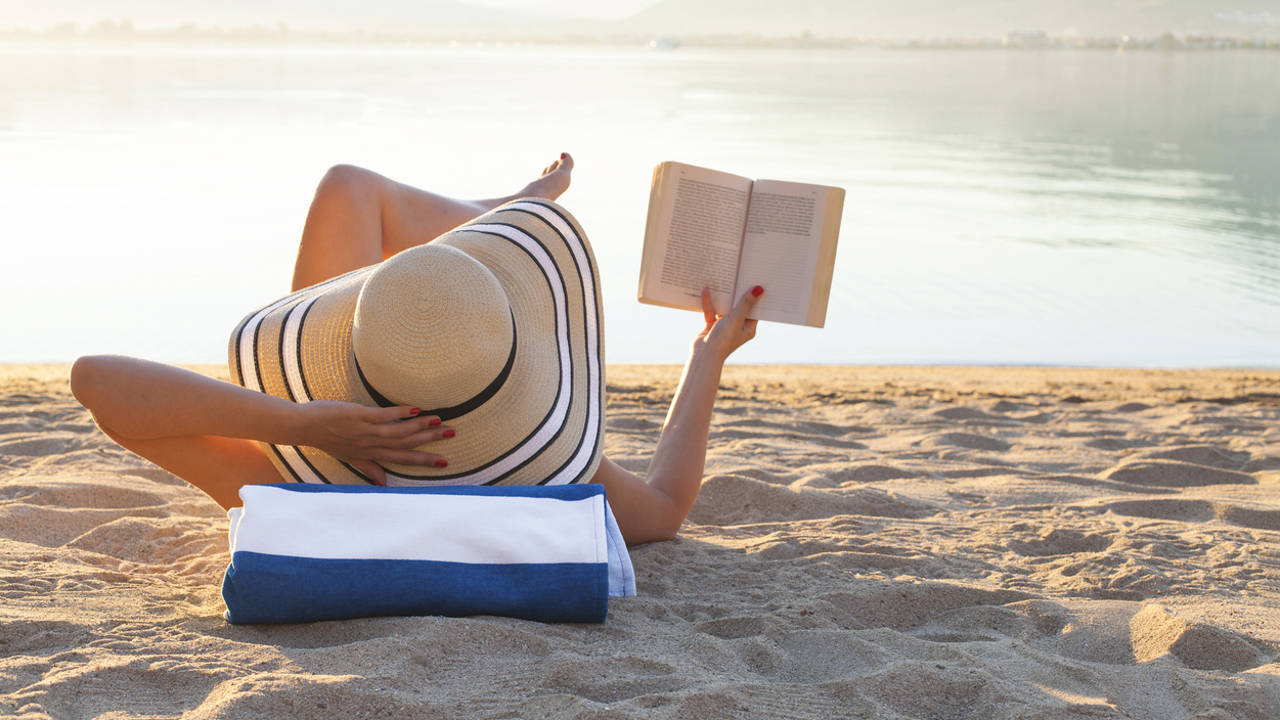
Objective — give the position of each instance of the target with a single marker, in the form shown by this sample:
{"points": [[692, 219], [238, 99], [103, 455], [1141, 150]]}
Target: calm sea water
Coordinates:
{"points": [[1002, 207]]}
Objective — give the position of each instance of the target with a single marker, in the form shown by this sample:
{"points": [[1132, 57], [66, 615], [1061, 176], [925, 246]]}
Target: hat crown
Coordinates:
{"points": [[432, 328]]}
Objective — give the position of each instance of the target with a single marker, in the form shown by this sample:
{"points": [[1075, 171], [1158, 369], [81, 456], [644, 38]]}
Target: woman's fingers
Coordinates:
{"points": [[739, 311], [390, 414], [421, 437], [728, 333], [371, 470], [410, 457], [708, 313], [375, 425], [403, 438], [399, 430]]}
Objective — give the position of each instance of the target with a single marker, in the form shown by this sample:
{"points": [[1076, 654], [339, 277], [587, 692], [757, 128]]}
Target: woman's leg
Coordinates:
{"points": [[359, 217], [219, 466]]}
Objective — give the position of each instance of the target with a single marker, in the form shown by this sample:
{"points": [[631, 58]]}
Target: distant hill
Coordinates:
{"points": [[415, 16], [956, 18], [682, 18]]}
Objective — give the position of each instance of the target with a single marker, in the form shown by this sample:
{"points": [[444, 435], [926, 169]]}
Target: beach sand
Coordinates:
{"points": [[873, 542]]}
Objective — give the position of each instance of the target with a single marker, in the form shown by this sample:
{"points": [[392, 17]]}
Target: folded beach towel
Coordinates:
{"points": [[302, 552]]}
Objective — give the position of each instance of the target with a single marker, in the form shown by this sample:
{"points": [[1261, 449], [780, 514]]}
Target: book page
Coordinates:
{"points": [[693, 236], [782, 249]]}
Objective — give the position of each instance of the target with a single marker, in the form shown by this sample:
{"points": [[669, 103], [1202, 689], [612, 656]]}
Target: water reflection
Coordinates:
{"points": [[1077, 207]]}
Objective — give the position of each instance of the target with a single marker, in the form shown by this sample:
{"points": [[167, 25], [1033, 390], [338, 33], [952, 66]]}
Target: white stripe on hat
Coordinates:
{"points": [[587, 449], [289, 358], [249, 375]]}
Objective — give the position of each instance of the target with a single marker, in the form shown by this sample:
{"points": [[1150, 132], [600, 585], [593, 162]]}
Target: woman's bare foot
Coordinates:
{"points": [[550, 185], [553, 182]]}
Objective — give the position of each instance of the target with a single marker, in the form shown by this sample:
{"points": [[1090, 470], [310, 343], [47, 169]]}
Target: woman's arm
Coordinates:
{"points": [[143, 400], [654, 510]]}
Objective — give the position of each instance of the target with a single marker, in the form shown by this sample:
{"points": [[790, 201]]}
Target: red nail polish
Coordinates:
{"points": [[415, 411], [442, 463], [449, 433], [757, 291], [564, 155], [434, 422]]}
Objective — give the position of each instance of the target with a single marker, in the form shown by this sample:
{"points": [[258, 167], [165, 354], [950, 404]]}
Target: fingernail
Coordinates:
{"points": [[564, 155], [449, 433], [442, 463], [757, 291], [434, 422], [415, 411]]}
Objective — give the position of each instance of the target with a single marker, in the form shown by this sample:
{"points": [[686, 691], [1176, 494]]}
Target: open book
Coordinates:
{"points": [[712, 229]]}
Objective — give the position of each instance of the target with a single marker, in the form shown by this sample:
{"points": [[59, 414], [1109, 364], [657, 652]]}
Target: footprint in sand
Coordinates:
{"points": [[965, 413], [627, 676], [733, 499], [821, 655], [1198, 511], [1202, 455], [902, 605], [1156, 632], [1180, 510], [731, 628], [1132, 407], [970, 441], [979, 623], [619, 423], [75, 493], [1113, 443], [1059, 541], [44, 444], [839, 473], [1168, 473]]}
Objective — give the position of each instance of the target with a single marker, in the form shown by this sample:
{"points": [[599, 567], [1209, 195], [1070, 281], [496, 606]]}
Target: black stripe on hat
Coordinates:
{"points": [[284, 323], [600, 425], [453, 411], [306, 388]]}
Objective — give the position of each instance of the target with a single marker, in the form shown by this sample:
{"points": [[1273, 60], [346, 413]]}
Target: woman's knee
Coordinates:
{"points": [[86, 375], [349, 183]]}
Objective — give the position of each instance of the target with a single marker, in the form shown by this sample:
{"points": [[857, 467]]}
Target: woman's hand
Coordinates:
{"points": [[364, 436], [726, 333]]}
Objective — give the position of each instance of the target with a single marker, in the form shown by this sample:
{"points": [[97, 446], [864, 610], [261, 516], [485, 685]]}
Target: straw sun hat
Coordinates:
{"points": [[494, 326]]}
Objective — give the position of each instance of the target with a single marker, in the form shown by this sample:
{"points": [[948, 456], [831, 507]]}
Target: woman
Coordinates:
{"points": [[209, 432]]}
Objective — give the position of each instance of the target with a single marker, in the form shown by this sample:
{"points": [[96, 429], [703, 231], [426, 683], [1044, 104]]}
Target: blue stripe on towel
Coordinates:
{"points": [[276, 591]]}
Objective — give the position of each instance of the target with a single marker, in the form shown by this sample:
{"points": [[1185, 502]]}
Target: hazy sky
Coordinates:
{"points": [[609, 9]]}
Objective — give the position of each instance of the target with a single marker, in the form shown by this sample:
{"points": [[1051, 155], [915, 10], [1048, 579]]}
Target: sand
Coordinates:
{"points": [[869, 542]]}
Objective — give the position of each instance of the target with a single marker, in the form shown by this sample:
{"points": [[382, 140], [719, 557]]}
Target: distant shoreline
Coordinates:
{"points": [[123, 33]]}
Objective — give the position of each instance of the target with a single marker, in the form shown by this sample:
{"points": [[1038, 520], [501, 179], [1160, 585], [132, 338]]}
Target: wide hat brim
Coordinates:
{"points": [[543, 424]]}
